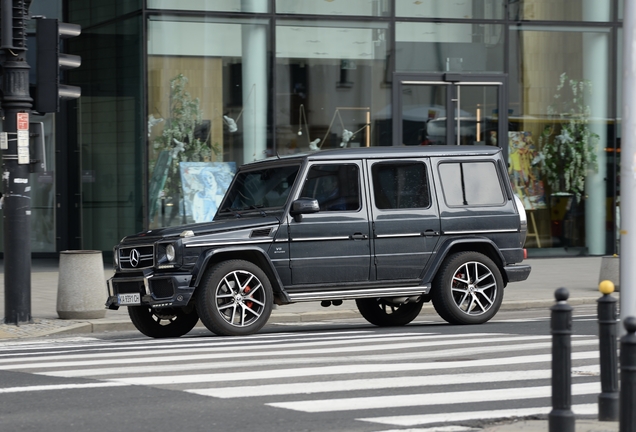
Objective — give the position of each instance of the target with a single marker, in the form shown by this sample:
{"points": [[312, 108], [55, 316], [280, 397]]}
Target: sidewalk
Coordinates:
{"points": [[578, 274]]}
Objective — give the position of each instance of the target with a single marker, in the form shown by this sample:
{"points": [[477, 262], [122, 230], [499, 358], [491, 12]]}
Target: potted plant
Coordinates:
{"points": [[568, 146]]}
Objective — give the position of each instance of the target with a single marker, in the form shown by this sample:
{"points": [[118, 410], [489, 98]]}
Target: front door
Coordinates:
{"points": [[449, 109], [333, 245]]}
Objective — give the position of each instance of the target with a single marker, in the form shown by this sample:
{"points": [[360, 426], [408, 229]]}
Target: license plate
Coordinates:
{"points": [[129, 299]]}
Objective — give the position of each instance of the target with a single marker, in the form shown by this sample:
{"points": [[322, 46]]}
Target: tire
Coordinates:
{"points": [[468, 289], [235, 298], [384, 313], [163, 323]]}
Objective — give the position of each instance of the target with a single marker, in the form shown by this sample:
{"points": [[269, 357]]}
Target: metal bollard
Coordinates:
{"points": [[627, 420], [561, 418], [607, 336]]}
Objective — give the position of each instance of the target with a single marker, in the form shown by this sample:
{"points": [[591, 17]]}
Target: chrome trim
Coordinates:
{"points": [[512, 230], [398, 235], [131, 279], [321, 238], [228, 242], [359, 293]]}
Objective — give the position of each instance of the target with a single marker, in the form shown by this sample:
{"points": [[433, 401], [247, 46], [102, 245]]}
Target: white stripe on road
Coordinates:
{"points": [[369, 384], [357, 368], [414, 420], [224, 352], [429, 399], [297, 361], [60, 387], [161, 356]]}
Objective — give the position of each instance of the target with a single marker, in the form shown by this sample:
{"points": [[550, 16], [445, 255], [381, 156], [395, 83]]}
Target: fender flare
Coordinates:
{"points": [[452, 245], [235, 252]]}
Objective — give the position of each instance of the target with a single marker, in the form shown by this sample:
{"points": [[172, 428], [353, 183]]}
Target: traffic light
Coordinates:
{"points": [[50, 61]]}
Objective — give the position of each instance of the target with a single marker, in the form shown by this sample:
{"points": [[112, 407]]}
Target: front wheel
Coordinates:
{"points": [[468, 289], [235, 298], [163, 323], [386, 312]]}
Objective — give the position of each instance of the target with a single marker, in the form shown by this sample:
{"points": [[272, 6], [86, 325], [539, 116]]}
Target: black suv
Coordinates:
{"points": [[391, 228]]}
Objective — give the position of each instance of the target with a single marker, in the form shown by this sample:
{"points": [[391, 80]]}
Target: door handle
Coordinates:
{"points": [[430, 233], [358, 236]]}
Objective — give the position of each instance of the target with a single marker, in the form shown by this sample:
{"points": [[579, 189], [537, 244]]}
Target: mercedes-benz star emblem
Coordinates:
{"points": [[134, 257]]}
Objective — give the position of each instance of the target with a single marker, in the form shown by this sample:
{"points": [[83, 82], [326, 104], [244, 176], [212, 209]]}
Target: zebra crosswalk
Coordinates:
{"points": [[401, 379]]}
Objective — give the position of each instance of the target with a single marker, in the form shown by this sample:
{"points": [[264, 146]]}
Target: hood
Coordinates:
{"points": [[201, 229]]}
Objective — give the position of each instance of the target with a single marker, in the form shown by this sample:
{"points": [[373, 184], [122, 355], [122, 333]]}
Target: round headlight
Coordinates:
{"points": [[116, 256], [170, 253]]}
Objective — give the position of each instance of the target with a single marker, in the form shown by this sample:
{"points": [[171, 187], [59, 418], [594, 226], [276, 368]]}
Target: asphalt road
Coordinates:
{"points": [[329, 376]]}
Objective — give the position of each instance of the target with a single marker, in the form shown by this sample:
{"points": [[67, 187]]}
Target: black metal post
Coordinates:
{"points": [[15, 171], [561, 418], [607, 335], [627, 420]]}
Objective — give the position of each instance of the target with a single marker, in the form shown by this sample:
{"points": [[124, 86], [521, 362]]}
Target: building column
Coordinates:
{"points": [[254, 80], [596, 70]]}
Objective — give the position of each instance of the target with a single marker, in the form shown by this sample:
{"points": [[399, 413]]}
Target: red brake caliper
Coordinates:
{"points": [[249, 304]]}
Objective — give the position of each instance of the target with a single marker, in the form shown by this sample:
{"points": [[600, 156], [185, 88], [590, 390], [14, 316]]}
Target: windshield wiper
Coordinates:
{"points": [[231, 210], [257, 208]]}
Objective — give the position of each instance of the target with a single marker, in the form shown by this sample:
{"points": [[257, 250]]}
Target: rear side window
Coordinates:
{"points": [[400, 185], [471, 184]]}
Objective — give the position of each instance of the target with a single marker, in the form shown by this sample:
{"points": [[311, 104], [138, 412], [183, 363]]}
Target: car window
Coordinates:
{"points": [[335, 186], [400, 185], [261, 188], [471, 184]]}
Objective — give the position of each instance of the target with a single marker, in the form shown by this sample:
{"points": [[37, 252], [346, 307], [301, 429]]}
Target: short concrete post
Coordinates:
{"points": [[81, 287], [627, 413], [608, 347], [561, 418]]}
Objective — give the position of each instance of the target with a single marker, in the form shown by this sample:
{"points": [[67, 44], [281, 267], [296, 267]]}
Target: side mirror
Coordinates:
{"points": [[304, 206]]}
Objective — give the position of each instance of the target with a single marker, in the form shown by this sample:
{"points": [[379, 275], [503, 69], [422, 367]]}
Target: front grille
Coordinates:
{"points": [[136, 257], [162, 288], [128, 287]]}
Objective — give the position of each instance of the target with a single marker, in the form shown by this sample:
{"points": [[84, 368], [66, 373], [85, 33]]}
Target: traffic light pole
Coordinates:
{"points": [[16, 189]]}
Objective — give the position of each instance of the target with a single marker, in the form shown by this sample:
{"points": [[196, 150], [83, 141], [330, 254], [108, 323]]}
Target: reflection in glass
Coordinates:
{"points": [[331, 86], [207, 104], [469, 9], [449, 47], [334, 7], [561, 10], [211, 5]]}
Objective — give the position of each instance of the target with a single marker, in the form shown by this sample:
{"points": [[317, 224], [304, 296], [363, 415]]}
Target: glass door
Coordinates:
{"points": [[449, 109]]}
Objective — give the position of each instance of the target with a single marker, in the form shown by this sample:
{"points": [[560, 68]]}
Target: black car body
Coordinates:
{"points": [[391, 228]]}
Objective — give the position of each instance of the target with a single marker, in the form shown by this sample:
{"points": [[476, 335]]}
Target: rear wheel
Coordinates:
{"points": [[163, 323], [235, 298], [468, 289], [386, 312]]}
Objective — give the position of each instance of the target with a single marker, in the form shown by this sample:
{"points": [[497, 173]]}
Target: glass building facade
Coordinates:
{"points": [[177, 94]]}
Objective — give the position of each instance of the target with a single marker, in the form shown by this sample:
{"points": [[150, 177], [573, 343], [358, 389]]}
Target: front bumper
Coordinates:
{"points": [[155, 290]]}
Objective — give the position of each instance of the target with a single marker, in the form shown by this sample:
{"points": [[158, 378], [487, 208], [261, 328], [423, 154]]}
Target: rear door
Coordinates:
{"points": [[405, 217]]}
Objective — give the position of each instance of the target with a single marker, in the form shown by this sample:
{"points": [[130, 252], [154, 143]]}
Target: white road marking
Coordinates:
{"points": [[60, 387], [424, 419], [429, 399]]}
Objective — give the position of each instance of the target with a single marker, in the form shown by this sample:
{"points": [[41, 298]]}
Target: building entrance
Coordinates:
{"points": [[449, 109]]}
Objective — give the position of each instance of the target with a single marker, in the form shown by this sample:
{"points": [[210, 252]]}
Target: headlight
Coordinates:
{"points": [[116, 257], [170, 253]]}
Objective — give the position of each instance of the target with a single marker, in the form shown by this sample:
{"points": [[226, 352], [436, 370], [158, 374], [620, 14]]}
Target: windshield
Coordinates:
{"points": [[266, 188]]}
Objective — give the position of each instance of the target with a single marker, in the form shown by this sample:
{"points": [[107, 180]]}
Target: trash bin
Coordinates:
{"points": [[81, 286]]}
